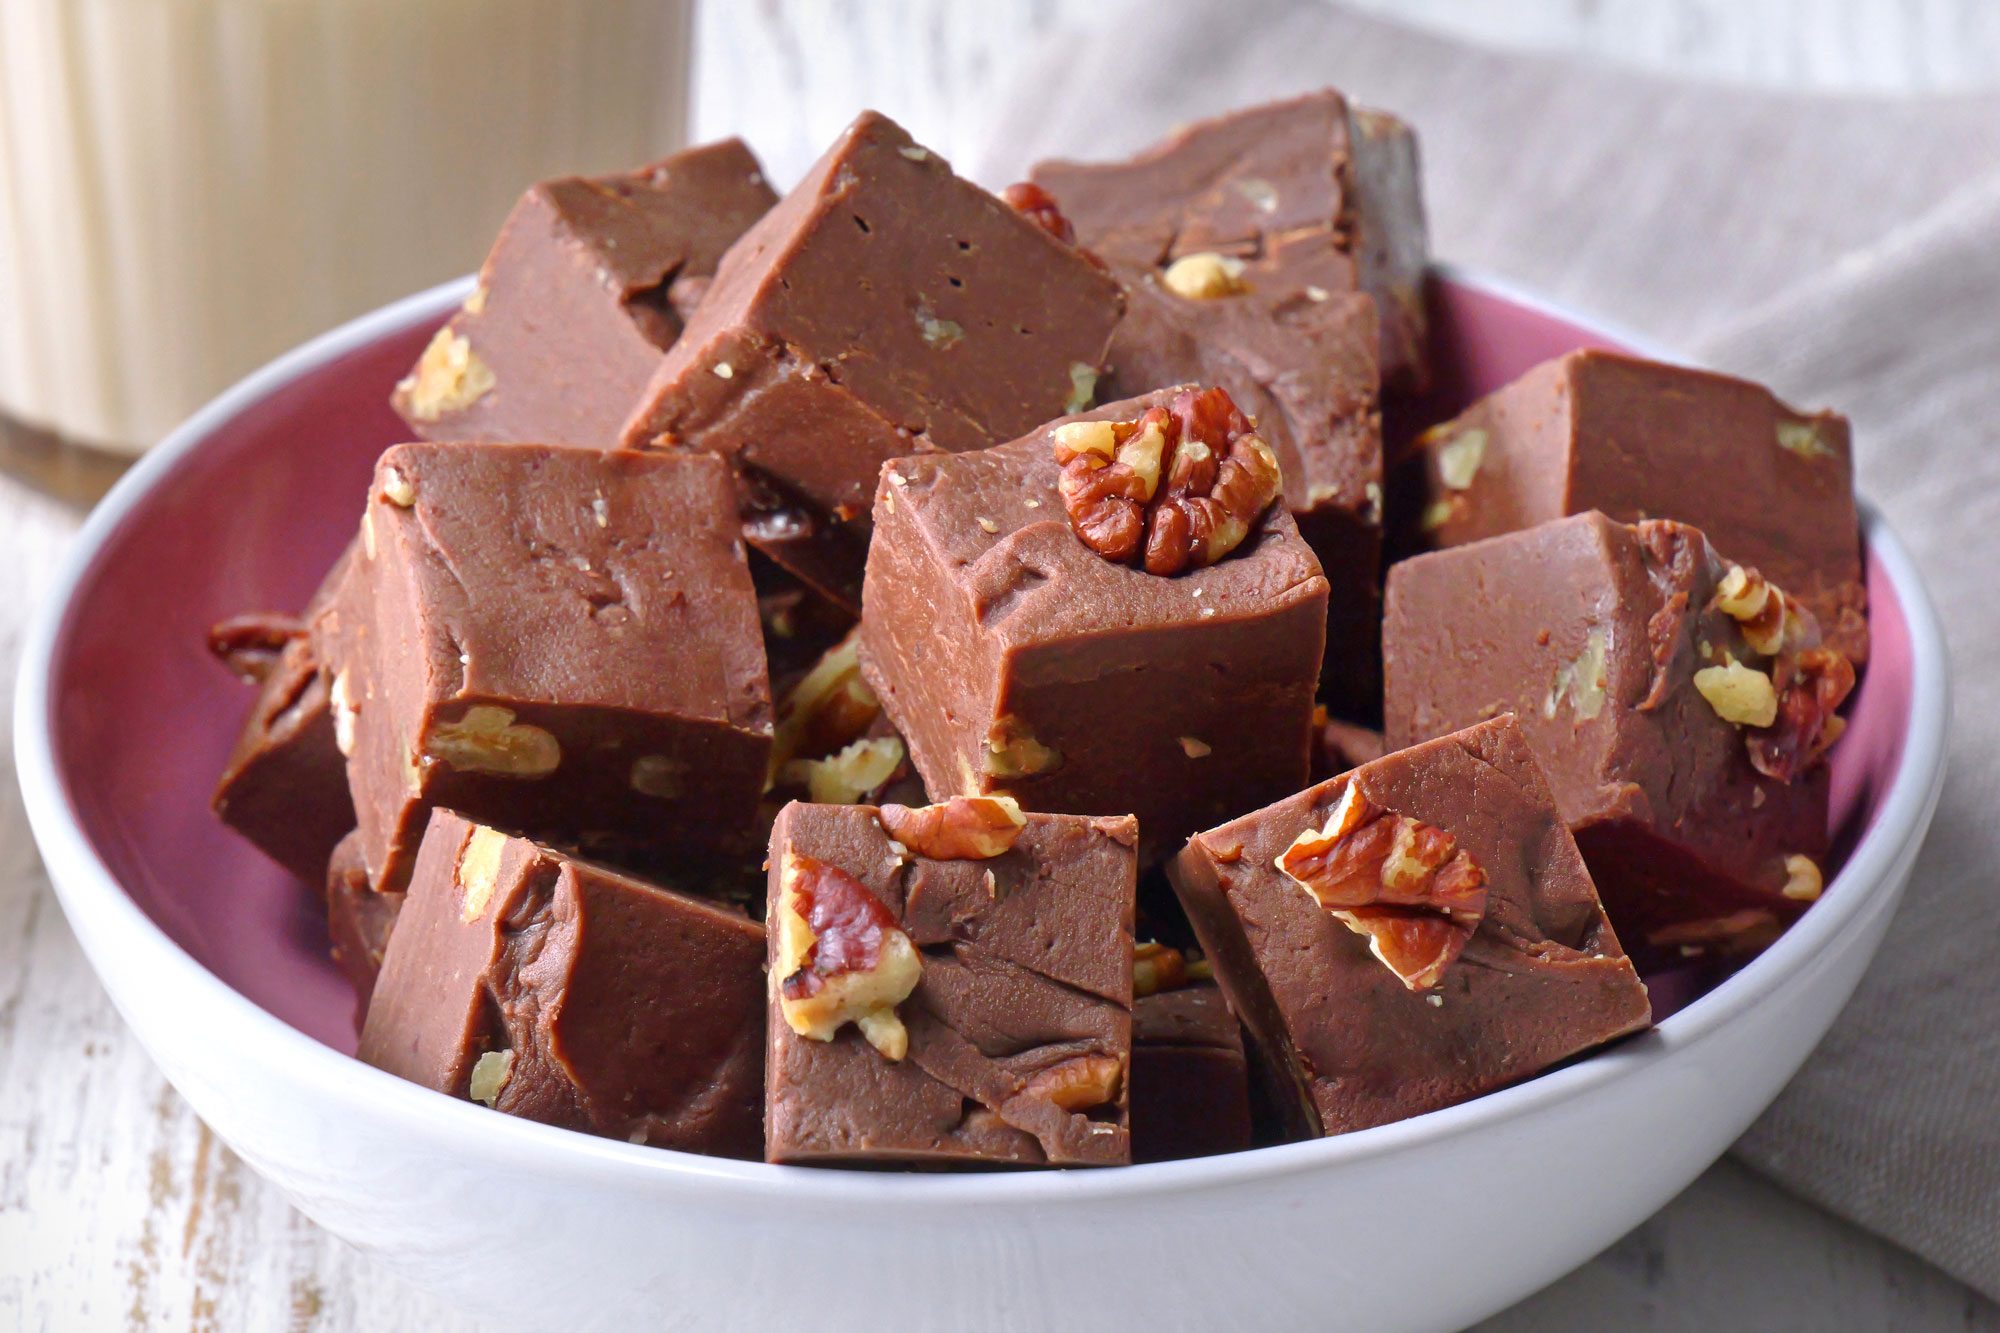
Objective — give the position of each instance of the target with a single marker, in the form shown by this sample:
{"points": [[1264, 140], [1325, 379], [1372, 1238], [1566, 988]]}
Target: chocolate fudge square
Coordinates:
{"points": [[1772, 487], [1411, 934], [589, 283], [285, 785], [884, 307], [1296, 199], [1015, 659], [1620, 650], [949, 986], [562, 991], [358, 921], [1190, 1084], [1305, 371], [559, 641]]}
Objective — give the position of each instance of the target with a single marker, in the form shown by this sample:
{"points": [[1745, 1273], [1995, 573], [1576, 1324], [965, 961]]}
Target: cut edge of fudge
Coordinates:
{"points": [[501, 984]]}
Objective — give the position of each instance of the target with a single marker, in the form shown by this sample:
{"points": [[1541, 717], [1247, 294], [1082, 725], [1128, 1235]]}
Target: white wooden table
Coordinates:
{"points": [[119, 1209]]}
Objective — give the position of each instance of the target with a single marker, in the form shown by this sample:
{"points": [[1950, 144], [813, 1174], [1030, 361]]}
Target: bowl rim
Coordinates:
{"points": [[105, 915]]}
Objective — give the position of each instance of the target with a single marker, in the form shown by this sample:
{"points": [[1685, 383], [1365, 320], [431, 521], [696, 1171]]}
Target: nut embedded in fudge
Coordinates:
{"points": [[1297, 199], [884, 307], [285, 785], [1190, 1084], [1015, 659], [1268, 312], [1678, 708], [949, 985], [358, 921], [1409, 935], [587, 286], [554, 640], [565, 992], [1771, 486]]}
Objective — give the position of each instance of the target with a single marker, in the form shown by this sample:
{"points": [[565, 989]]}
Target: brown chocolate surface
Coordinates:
{"points": [[1772, 487], [1014, 659], [1190, 1085], [600, 1002], [884, 307], [358, 920], [585, 289], [1541, 979], [555, 640], [1311, 193], [1026, 966], [1591, 632]]}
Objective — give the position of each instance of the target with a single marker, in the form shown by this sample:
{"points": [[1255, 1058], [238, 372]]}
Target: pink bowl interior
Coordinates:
{"points": [[252, 514]]}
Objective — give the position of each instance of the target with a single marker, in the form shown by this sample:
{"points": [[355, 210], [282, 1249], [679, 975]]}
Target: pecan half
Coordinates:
{"points": [[1400, 882], [842, 957], [1181, 486], [964, 828]]}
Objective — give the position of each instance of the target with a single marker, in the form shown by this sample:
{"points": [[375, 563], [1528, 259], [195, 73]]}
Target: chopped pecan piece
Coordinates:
{"points": [[1740, 933], [1738, 693], [251, 645], [826, 711], [964, 828], [1771, 619], [1013, 752], [1081, 1083], [842, 958], [849, 776], [1157, 967], [1038, 206], [1793, 717], [1810, 686], [1398, 881], [1205, 276], [1803, 880], [1182, 486]]}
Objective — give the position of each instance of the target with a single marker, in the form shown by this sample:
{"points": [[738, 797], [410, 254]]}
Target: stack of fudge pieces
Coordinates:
{"points": [[890, 675]]}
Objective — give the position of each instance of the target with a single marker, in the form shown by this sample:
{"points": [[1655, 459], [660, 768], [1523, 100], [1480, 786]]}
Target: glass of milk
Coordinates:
{"points": [[189, 187]]}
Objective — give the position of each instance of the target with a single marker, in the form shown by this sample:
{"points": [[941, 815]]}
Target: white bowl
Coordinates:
{"points": [[1427, 1224]]}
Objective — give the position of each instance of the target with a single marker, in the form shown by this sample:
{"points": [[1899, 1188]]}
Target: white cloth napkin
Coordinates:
{"points": [[1844, 250]]}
